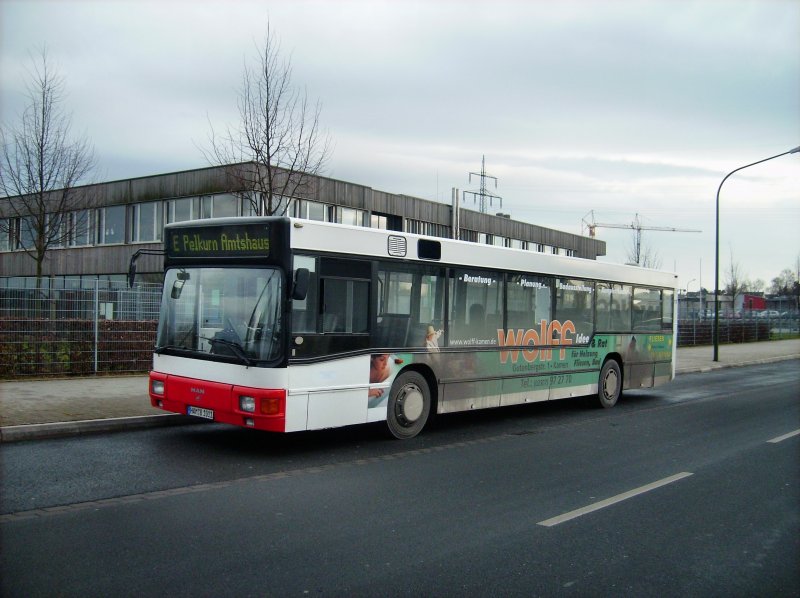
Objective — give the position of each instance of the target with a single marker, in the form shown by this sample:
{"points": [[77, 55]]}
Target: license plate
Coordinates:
{"points": [[200, 412]]}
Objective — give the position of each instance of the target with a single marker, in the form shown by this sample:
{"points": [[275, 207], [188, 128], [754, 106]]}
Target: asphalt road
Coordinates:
{"points": [[692, 489]]}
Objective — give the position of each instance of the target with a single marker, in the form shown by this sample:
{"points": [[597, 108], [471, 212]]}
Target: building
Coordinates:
{"points": [[128, 215], [749, 302]]}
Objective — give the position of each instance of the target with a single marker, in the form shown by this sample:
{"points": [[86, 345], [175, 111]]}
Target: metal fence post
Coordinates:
{"points": [[96, 322]]}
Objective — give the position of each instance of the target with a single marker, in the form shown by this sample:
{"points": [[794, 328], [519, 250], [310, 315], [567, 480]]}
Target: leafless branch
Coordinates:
{"points": [[278, 135], [42, 163]]}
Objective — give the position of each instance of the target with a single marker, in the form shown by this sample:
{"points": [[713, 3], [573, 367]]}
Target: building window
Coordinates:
{"points": [[183, 209], [56, 225], [27, 233], [281, 205], [248, 208], [317, 211], [112, 225], [429, 229], [207, 206], [80, 223], [147, 222], [219, 206], [311, 210], [14, 232], [350, 216], [379, 221], [469, 235], [5, 234], [225, 206]]}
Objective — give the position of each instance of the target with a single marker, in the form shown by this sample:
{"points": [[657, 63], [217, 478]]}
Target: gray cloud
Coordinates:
{"points": [[616, 106]]}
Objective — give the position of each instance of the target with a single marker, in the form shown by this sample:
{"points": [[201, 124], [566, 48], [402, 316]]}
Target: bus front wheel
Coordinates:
{"points": [[409, 405], [609, 386]]}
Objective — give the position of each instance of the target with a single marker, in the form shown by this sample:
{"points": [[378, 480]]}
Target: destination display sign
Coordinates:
{"points": [[235, 240]]}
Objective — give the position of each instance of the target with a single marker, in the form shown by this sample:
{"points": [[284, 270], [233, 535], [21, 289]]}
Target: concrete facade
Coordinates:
{"points": [[128, 215]]}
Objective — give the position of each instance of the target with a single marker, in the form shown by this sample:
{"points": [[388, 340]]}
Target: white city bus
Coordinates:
{"points": [[283, 325]]}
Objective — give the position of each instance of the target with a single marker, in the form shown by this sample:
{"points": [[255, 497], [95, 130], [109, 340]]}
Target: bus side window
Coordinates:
{"points": [[304, 312], [613, 307], [410, 299], [667, 307], [345, 306], [575, 303], [476, 307], [646, 309], [529, 300]]}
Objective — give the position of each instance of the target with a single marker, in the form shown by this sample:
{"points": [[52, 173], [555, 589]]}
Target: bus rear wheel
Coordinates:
{"points": [[409, 405], [609, 386]]}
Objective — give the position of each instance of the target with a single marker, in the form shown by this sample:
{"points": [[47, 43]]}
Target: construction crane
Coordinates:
{"points": [[589, 223]]}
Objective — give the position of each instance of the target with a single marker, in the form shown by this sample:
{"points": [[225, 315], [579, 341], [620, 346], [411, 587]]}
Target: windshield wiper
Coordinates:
{"points": [[189, 332], [162, 348], [235, 347]]}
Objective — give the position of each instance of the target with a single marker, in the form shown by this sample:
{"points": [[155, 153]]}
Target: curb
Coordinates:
{"points": [[704, 369], [120, 424], [91, 426]]}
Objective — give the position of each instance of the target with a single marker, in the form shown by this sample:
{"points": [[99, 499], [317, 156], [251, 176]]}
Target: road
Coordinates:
{"points": [[691, 489]]}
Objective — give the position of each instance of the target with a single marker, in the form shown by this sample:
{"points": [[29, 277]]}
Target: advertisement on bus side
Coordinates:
{"points": [[519, 363]]}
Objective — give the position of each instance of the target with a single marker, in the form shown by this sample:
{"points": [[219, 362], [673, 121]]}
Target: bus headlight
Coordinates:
{"points": [[157, 387], [247, 404]]}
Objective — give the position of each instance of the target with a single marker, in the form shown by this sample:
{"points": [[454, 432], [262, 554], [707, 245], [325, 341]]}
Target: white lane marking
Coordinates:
{"points": [[613, 500], [784, 437]]}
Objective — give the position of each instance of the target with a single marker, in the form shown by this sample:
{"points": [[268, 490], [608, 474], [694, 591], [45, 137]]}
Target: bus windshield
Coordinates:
{"points": [[229, 313]]}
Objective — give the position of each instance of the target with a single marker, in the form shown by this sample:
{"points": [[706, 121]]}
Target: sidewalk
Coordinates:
{"points": [[46, 408]]}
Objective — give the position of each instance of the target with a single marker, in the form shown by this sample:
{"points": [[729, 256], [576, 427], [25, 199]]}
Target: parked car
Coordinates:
{"points": [[769, 313]]}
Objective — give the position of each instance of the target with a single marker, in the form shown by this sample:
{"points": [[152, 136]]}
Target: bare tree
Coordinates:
{"points": [[756, 286], [736, 283], [642, 254], [784, 283], [277, 143], [40, 166]]}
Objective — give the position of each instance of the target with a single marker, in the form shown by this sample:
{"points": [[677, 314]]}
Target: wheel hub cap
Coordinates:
{"points": [[412, 404], [610, 385]]}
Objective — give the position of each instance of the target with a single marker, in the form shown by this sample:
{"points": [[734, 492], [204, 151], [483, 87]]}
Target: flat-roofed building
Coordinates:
{"points": [[130, 214]]}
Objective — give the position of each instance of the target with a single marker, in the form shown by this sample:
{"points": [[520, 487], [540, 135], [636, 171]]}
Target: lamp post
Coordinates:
{"points": [[716, 266], [684, 307]]}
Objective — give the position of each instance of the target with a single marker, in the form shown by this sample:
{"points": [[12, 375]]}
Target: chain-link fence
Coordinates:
{"points": [[756, 326], [109, 328], [58, 332]]}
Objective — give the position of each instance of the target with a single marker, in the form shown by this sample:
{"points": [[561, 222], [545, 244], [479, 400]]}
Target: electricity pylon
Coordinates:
{"points": [[482, 193]]}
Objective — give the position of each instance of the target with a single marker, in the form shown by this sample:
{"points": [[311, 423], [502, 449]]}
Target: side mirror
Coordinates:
{"points": [[177, 286], [301, 279], [134, 257], [177, 289], [131, 273]]}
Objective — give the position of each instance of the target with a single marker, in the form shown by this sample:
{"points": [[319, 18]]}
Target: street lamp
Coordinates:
{"points": [[716, 266], [684, 311]]}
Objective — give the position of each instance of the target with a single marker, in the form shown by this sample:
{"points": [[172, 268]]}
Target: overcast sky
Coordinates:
{"points": [[617, 107]]}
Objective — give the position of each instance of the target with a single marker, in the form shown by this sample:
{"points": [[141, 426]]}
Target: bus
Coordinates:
{"points": [[282, 324]]}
